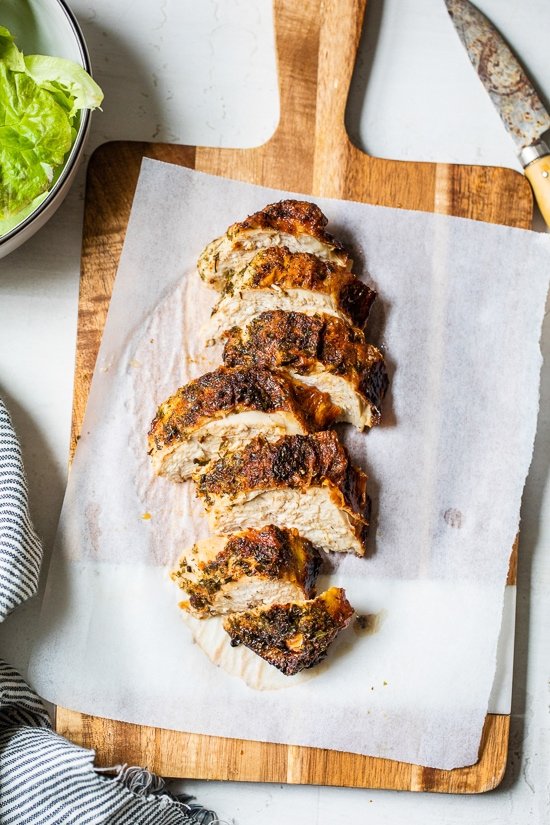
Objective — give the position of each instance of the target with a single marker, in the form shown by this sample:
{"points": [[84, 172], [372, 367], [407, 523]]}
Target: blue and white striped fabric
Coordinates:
{"points": [[45, 779], [20, 548]]}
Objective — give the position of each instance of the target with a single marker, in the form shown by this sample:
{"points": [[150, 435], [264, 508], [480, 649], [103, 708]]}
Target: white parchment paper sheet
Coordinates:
{"points": [[459, 316]]}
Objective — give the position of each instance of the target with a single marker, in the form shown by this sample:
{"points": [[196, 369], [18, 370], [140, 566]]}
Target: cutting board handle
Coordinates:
{"points": [[316, 44]]}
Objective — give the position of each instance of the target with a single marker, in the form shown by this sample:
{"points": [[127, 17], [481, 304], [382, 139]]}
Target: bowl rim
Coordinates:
{"points": [[79, 140]]}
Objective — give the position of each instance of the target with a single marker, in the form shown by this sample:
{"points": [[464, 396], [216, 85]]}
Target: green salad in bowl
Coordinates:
{"points": [[41, 103]]}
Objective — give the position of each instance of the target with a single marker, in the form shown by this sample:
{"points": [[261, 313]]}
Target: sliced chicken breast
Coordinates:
{"points": [[225, 409], [305, 482], [292, 636], [229, 574], [292, 281], [321, 351], [298, 225]]}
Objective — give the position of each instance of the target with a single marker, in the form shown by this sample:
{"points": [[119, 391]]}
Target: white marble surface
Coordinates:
{"points": [[204, 73]]}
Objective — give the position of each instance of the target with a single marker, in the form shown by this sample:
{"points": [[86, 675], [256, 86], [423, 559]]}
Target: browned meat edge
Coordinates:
{"points": [[292, 340], [228, 390], [292, 216], [295, 461], [293, 636], [272, 553], [276, 265]]}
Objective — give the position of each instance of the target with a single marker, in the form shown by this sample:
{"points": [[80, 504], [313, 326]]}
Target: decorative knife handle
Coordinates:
{"points": [[536, 160]]}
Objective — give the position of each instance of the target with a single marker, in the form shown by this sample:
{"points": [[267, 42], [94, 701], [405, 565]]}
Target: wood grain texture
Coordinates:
{"points": [[174, 754], [310, 152]]}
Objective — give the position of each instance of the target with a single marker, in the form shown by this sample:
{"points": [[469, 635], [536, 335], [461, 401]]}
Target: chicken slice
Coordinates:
{"points": [[298, 225], [291, 281], [319, 350], [292, 636], [228, 574], [224, 409], [305, 482]]}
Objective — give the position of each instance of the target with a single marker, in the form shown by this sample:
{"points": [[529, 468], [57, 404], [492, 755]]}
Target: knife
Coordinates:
{"points": [[514, 97]]}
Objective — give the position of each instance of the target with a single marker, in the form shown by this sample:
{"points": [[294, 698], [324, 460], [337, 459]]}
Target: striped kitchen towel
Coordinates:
{"points": [[20, 548], [44, 778]]}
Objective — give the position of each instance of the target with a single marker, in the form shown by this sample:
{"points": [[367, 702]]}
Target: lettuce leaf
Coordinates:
{"points": [[10, 223], [40, 102], [68, 82]]}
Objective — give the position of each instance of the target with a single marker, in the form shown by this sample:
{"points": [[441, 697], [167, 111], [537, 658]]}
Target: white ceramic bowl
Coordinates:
{"points": [[46, 27]]}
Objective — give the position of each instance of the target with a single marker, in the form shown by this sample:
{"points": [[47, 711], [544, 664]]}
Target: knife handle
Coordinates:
{"points": [[538, 174]]}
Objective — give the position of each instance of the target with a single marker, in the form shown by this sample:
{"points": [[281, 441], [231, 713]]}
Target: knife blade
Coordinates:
{"points": [[522, 111]]}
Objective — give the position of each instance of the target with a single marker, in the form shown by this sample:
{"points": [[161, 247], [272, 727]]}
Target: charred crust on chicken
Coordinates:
{"points": [[292, 636], [300, 343], [294, 461], [277, 267], [236, 389], [272, 553]]}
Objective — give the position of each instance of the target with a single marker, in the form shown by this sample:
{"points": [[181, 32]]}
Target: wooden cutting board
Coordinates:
{"points": [[310, 152]]}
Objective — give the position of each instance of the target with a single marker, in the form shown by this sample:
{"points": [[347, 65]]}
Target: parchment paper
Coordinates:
{"points": [[459, 315]]}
